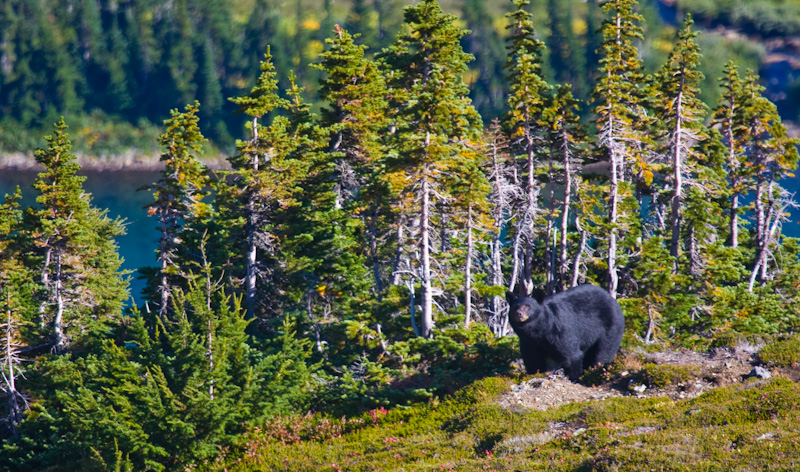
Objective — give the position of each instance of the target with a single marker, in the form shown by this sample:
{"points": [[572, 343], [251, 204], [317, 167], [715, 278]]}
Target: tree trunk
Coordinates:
{"points": [[677, 176], [164, 287], [398, 256], [252, 258], [46, 284], [613, 279], [734, 218], [516, 275], [59, 338], [413, 307], [549, 266], [250, 231], [497, 280], [576, 264], [426, 279], [531, 205], [14, 408], [564, 269], [760, 220], [468, 270]]}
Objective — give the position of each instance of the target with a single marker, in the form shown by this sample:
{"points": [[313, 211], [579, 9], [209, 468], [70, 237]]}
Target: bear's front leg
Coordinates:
{"points": [[574, 367], [535, 360]]}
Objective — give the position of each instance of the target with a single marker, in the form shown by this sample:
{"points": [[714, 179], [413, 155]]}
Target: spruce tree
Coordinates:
{"points": [[773, 156], [254, 170], [682, 114], [526, 101], [178, 202], [15, 302], [433, 121], [72, 249], [353, 122], [617, 97], [728, 116]]}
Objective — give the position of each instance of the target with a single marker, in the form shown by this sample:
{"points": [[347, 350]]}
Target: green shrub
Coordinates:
{"points": [[661, 376], [781, 353]]}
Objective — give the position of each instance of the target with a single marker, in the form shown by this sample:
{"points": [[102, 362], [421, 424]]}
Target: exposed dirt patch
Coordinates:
{"points": [[697, 373]]}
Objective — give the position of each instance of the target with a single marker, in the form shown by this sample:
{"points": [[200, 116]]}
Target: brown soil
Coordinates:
{"points": [[706, 371]]}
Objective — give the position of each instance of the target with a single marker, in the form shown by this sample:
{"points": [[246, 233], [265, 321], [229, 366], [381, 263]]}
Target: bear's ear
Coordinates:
{"points": [[511, 297], [538, 295]]}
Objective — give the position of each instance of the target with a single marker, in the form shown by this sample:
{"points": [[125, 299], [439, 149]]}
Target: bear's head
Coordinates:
{"points": [[523, 308]]}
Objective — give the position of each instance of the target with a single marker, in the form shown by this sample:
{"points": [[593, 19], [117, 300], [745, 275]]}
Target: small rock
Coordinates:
{"points": [[765, 436], [639, 388], [579, 431], [759, 372]]}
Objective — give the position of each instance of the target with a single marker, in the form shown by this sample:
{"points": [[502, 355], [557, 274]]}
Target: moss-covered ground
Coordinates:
{"points": [[747, 427]]}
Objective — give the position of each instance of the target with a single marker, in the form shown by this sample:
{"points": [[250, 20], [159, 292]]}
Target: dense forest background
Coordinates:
{"points": [[355, 253], [116, 68]]}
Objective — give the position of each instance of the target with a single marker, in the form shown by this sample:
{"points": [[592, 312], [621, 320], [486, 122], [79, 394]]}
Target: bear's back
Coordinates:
{"points": [[586, 306]]}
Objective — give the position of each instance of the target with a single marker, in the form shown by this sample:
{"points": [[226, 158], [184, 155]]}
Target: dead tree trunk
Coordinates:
{"points": [[468, 269]]}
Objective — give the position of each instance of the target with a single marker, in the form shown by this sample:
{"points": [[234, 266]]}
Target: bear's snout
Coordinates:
{"points": [[521, 313]]}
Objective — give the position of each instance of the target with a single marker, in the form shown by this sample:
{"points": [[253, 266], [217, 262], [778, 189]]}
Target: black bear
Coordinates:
{"points": [[575, 329]]}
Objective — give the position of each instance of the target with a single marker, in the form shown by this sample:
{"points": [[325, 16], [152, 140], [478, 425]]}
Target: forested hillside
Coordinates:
{"points": [[115, 69], [356, 253]]}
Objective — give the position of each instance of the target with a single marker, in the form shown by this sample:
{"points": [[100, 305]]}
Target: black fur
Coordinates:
{"points": [[575, 329]]}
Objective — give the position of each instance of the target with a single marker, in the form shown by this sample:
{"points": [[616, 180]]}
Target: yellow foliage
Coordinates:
{"points": [[310, 24], [663, 45], [314, 48], [471, 76], [579, 26], [648, 177]]}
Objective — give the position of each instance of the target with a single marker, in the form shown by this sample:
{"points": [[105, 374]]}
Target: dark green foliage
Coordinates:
{"points": [[70, 246], [170, 396], [178, 204]]}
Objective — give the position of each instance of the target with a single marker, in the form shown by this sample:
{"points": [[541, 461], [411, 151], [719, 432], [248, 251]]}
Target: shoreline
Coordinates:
{"points": [[131, 161]]}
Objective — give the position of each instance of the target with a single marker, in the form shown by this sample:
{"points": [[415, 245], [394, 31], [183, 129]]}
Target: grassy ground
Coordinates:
{"points": [[747, 427]]}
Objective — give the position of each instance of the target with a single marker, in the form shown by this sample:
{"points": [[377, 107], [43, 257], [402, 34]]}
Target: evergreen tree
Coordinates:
{"points": [[523, 121], [617, 98], [565, 137], [177, 204], [263, 187], [730, 119], [356, 94], [470, 187], [72, 249], [15, 302], [170, 397], [773, 156], [433, 121], [682, 114]]}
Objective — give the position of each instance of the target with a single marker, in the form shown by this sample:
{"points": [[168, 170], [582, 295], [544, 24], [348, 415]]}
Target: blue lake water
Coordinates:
{"points": [[117, 192]]}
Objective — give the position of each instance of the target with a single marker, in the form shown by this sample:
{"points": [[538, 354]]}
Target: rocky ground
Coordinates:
{"points": [[704, 371]]}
